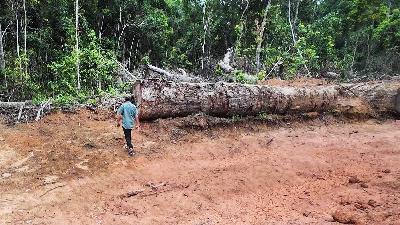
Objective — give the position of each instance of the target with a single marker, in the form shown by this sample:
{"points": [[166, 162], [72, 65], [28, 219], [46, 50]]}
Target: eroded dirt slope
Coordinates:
{"points": [[72, 169]]}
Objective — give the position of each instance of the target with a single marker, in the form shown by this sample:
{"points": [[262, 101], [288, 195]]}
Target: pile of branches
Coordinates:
{"points": [[18, 112]]}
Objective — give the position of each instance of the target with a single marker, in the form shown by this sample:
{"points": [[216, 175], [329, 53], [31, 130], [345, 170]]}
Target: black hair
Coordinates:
{"points": [[130, 99]]}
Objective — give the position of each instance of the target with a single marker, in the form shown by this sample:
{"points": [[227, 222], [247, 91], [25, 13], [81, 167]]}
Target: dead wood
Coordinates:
{"points": [[133, 193], [42, 107], [51, 189], [161, 99], [182, 76]]}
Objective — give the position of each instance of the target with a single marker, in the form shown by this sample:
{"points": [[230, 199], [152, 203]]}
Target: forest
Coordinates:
{"points": [[64, 49], [200, 112]]}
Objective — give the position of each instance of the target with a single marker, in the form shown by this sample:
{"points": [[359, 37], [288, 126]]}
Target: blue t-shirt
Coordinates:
{"points": [[128, 112]]}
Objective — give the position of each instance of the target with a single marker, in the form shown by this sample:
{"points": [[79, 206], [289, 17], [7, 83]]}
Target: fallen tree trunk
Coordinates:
{"points": [[6, 105], [160, 99], [183, 77], [379, 97]]}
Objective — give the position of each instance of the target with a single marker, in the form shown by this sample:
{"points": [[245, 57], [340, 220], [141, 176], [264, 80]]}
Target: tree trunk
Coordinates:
{"points": [[296, 15], [11, 105], [2, 59], [161, 99], [77, 44], [294, 34], [378, 97], [205, 29], [354, 57], [242, 24], [183, 77], [101, 27], [25, 34], [17, 33], [260, 35]]}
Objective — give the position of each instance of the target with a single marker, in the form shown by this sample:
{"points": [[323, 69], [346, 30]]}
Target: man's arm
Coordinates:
{"points": [[119, 116], [119, 119], [137, 122]]}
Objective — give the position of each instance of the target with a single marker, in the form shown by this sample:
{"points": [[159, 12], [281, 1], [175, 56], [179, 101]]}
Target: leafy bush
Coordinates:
{"points": [[261, 75], [240, 76], [96, 70]]}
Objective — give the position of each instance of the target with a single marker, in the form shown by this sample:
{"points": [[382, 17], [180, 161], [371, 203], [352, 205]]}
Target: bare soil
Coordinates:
{"points": [[297, 82], [73, 169]]}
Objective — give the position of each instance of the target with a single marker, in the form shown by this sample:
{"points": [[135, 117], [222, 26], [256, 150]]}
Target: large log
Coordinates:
{"points": [[380, 97], [8, 105], [160, 99]]}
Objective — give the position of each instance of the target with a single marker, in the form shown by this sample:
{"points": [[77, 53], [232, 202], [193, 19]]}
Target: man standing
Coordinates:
{"points": [[129, 116]]}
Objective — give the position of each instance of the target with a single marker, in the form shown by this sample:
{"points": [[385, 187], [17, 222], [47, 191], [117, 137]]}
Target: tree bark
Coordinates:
{"points": [[354, 56], [225, 63], [260, 35], [161, 99], [379, 97], [17, 32], [7, 105], [100, 27], [205, 29], [25, 34], [77, 44], [242, 24], [183, 77], [294, 34], [2, 59]]}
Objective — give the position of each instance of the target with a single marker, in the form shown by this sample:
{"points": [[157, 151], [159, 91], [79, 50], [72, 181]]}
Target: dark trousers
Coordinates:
{"points": [[128, 137]]}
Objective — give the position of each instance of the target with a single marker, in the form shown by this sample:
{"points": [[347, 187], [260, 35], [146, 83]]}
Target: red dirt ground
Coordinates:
{"points": [[72, 169], [298, 82]]}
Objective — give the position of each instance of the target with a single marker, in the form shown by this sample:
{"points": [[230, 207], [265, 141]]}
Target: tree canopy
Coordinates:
{"points": [[308, 37]]}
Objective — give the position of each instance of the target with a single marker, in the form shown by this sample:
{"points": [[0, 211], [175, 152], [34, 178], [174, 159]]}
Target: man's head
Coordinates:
{"points": [[130, 99]]}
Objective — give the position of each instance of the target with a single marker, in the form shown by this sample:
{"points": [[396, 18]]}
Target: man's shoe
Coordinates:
{"points": [[131, 152]]}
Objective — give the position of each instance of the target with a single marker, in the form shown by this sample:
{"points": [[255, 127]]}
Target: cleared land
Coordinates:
{"points": [[72, 169]]}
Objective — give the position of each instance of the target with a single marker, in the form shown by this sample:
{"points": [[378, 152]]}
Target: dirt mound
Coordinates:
{"points": [[72, 169], [299, 82]]}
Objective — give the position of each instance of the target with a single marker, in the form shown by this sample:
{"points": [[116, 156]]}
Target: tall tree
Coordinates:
{"points": [[78, 75], [17, 21], [205, 30], [2, 59], [25, 36], [292, 29], [260, 34]]}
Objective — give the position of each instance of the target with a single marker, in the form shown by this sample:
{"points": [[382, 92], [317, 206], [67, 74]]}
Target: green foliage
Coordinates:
{"points": [[240, 76], [348, 36], [178, 59], [145, 60], [263, 116], [64, 99], [218, 71], [388, 31], [261, 75], [96, 68], [237, 118]]}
